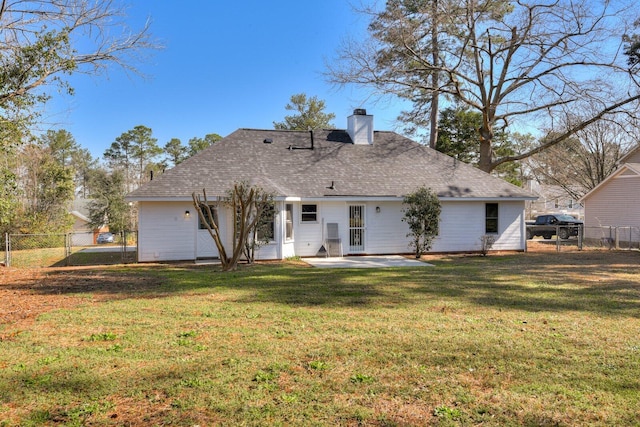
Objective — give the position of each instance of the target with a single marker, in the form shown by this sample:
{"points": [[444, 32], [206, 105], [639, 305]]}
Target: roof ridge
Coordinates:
{"points": [[289, 130], [394, 164]]}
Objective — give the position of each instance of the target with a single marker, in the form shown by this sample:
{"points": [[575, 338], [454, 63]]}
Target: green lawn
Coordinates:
{"points": [[56, 257], [526, 339]]}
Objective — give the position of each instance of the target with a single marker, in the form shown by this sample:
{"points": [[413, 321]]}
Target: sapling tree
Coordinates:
{"points": [[248, 204], [422, 213], [264, 229]]}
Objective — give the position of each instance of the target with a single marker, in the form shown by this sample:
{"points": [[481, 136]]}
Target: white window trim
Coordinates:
{"points": [[497, 218], [293, 232], [317, 205]]}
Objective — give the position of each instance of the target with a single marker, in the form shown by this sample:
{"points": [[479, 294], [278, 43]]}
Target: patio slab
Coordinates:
{"points": [[365, 262]]}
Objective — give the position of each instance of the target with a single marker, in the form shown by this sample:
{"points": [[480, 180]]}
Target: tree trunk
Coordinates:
{"points": [[486, 162], [433, 136], [435, 80]]}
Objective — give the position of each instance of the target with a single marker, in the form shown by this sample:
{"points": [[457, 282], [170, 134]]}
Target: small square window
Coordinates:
{"points": [[309, 213], [491, 218]]}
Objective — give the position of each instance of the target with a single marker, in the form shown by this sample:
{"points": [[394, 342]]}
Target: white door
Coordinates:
{"points": [[356, 228], [205, 246]]}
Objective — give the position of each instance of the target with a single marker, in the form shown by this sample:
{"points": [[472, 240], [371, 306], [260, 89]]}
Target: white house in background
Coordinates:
{"points": [[355, 178], [83, 234], [552, 199], [615, 202]]}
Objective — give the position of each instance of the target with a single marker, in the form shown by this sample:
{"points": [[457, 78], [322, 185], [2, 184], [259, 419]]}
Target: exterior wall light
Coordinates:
{"points": [[187, 214], [377, 209]]}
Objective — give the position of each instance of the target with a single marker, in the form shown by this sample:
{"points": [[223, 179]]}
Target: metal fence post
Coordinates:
{"points": [[580, 236], [7, 249], [67, 249], [123, 246]]}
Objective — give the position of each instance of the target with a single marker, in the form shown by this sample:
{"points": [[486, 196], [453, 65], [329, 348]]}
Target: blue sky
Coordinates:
{"points": [[225, 65]]}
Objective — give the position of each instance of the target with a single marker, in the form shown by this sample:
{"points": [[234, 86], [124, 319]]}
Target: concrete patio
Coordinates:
{"points": [[365, 262]]}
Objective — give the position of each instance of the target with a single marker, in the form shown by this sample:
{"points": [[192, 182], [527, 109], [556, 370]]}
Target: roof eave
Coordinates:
{"points": [[616, 173]]}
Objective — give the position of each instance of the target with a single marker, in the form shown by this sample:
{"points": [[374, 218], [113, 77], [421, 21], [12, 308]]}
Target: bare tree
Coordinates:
{"points": [[44, 41], [524, 63], [248, 205], [581, 162]]}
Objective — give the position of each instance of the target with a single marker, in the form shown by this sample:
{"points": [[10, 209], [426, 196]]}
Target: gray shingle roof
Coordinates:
{"points": [[392, 166]]}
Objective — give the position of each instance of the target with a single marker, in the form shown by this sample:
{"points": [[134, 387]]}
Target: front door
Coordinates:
{"points": [[356, 228]]}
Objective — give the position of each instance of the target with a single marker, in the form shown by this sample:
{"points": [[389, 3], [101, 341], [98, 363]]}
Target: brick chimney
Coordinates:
{"points": [[360, 127]]}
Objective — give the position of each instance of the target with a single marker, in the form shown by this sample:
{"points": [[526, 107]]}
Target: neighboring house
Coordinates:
{"points": [[615, 203], [355, 178], [80, 223], [552, 199], [82, 232]]}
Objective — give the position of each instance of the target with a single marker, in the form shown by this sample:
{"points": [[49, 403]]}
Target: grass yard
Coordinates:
{"points": [[521, 339], [80, 255]]}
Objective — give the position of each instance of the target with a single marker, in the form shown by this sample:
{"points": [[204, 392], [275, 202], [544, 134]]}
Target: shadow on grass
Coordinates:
{"points": [[56, 257], [601, 282]]}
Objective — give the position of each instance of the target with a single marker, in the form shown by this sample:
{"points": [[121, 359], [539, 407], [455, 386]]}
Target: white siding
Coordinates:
{"points": [[268, 251], [616, 203], [461, 228], [165, 233], [308, 236], [462, 225], [386, 232]]}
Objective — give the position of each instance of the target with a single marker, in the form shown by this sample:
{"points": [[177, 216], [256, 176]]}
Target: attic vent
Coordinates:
{"points": [[268, 140], [359, 112]]}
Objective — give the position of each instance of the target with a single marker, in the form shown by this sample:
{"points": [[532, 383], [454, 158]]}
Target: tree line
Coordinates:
{"points": [[43, 177], [42, 43], [476, 73]]}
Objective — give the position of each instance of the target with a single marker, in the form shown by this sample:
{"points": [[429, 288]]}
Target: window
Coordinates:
{"points": [[265, 229], [288, 227], [491, 218], [202, 225], [309, 213]]}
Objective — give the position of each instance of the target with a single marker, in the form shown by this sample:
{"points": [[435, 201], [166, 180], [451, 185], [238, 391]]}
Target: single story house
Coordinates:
{"points": [[353, 179], [82, 232], [615, 203]]}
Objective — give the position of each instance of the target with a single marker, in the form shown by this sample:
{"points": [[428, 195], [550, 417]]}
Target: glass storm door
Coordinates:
{"points": [[356, 228]]}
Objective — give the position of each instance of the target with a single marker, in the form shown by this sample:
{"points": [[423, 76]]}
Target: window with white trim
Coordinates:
{"points": [[266, 225], [309, 213], [491, 218], [288, 219]]}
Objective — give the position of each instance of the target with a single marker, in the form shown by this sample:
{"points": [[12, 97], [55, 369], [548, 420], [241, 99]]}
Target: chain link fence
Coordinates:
{"points": [[57, 250], [580, 237], [610, 237], [554, 238]]}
